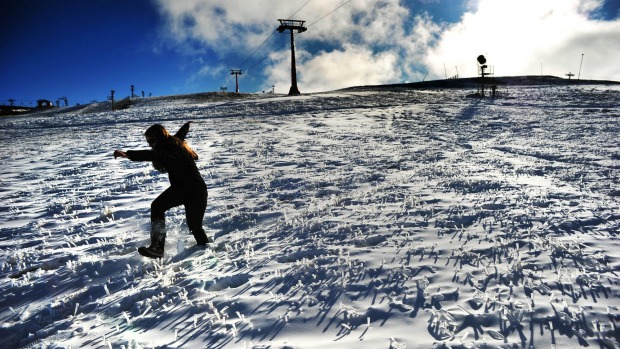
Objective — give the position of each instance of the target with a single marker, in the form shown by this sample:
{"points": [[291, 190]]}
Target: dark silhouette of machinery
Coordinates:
{"points": [[482, 66], [292, 25]]}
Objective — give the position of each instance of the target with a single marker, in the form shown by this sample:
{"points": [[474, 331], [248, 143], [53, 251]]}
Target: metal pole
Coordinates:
{"points": [[294, 90], [579, 76], [482, 74], [289, 24], [236, 73]]}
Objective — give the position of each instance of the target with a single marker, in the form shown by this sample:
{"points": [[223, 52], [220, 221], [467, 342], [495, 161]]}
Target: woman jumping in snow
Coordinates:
{"points": [[171, 154]]}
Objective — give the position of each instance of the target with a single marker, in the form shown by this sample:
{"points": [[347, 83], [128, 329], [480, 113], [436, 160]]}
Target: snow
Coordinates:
{"points": [[376, 219]]}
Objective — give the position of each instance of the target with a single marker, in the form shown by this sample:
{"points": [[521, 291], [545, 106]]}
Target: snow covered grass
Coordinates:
{"points": [[411, 219]]}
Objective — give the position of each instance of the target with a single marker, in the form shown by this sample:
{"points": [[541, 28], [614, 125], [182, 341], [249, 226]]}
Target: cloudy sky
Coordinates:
{"points": [[83, 49]]}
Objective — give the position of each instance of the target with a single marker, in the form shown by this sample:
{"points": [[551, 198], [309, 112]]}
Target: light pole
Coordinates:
{"points": [[579, 76]]}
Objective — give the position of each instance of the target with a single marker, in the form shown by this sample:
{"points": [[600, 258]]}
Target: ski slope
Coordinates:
{"points": [[376, 219]]}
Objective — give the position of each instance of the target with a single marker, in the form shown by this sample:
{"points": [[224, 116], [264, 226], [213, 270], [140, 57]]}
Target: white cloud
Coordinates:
{"points": [[209, 71], [517, 36], [278, 72], [354, 65], [387, 41], [365, 37]]}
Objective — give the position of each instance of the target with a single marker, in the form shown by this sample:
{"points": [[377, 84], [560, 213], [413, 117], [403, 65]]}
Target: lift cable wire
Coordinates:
{"points": [[291, 16], [323, 17], [267, 56], [281, 46], [269, 37], [329, 13], [252, 54]]}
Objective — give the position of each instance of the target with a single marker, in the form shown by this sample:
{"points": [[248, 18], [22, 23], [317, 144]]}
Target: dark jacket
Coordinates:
{"points": [[182, 171]]}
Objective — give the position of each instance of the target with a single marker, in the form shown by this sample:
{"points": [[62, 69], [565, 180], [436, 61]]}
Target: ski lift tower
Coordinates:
{"points": [[292, 25], [236, 73], [62, 99]]}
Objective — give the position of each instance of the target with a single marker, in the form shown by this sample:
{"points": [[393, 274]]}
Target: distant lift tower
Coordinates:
{"points": [[236, 73], [62, 99], [292, 25]]}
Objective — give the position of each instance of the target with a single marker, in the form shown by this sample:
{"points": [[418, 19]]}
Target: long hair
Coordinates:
{"points": [[168, 146]]}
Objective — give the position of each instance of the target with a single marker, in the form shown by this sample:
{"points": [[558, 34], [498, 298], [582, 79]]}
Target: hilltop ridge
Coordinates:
{"points": [[473, 82], [210, 97]]}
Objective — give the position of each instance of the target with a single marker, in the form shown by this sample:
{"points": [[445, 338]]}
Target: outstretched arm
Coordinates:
{"points": [[183, 131], [136, 155]]}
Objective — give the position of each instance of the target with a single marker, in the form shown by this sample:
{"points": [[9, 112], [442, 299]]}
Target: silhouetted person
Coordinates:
{"points": [[172, 155]]}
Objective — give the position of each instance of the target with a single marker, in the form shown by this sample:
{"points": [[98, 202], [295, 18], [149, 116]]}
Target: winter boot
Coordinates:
{"points": [[158, 241], [201, 237]]}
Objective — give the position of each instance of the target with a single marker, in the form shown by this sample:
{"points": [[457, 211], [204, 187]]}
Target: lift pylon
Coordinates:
{"points": [[236, 73], [292, 25]]}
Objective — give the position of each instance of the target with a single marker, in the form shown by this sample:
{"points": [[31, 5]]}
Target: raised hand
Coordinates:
{"points": [[118, 153]]}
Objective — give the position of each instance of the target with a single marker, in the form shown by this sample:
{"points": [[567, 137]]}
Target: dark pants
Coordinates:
{"points": [[195, 202]]}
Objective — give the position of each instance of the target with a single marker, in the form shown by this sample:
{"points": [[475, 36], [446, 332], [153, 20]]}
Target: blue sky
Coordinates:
{"points": [[83, 49]]}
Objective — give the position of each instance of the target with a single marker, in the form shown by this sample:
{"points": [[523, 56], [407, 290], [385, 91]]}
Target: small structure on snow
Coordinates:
{"points": [[481, 71], [44, 103]]}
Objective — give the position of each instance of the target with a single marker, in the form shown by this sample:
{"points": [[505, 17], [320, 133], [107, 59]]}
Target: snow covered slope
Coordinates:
{"points": [[372, 219]]}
